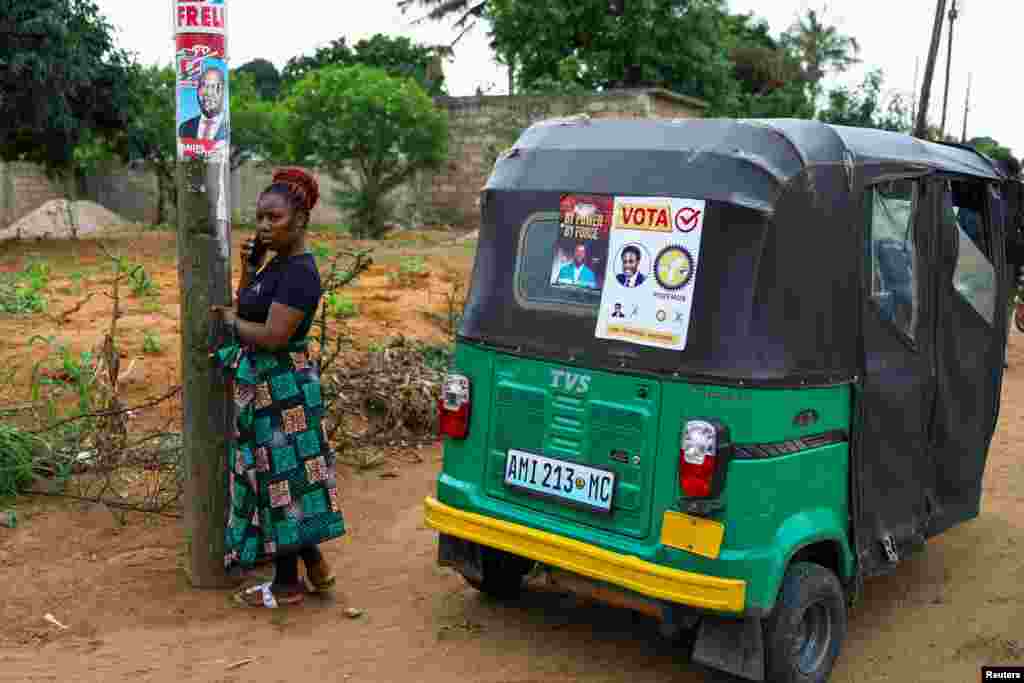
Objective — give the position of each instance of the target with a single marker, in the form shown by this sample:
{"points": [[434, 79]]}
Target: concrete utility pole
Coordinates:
{"points": [[204, 273], [949, 60], [929, 71]]}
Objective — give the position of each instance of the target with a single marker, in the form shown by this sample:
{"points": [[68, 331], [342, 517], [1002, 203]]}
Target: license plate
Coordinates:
{"points": [[565, 481]]}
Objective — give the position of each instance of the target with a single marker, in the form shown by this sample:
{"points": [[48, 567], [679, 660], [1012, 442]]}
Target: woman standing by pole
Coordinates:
{"points": [[282, 478]]}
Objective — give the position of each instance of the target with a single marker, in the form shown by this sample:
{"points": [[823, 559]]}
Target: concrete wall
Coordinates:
{"points": [[24, 188], [130, 192], [480, 128]]}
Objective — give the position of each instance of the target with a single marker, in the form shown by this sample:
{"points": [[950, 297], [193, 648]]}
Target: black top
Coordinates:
{"points": [[777, 288], [743, 162], [292, 281]]}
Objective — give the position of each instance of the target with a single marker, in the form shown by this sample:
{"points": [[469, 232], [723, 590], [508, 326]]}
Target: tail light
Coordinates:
{"points": [[453, 407], [704, 450]]}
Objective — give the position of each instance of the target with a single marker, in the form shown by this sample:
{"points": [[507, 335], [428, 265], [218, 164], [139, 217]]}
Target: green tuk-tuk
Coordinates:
{"points": [[722, 371]]}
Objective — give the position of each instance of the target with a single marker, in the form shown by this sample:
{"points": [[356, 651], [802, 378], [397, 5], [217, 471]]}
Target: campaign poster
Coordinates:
{"points": [[581, 249], [653, 257], [203, 118]]}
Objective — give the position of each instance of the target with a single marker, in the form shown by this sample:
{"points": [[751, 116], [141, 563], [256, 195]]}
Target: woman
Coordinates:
{"points": [[283, 486]]}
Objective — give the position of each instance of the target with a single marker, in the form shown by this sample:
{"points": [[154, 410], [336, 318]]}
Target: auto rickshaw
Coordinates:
{"points": [[723, 371]]}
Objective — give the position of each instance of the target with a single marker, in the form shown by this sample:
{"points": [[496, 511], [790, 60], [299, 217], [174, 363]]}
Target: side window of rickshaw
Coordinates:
{"points": [[893, 258], [975, 277]]}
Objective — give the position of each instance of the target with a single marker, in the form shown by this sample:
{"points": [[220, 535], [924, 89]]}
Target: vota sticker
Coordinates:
{"points": [[655, 216]]}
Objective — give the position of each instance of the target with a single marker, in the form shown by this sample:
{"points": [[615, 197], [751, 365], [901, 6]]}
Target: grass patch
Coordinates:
{"points": [[151, 344], [159, 227], [340, 306], [23, 293], [18, 453], [409, 271], [320, 251], [330, 229], [151, 306]]}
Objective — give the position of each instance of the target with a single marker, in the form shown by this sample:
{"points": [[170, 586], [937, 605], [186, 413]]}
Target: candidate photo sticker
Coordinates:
{"points": [[581, 248]]}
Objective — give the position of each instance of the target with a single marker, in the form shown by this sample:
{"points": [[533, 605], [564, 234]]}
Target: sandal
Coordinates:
{"points": [[320, 576], [262, 596]]}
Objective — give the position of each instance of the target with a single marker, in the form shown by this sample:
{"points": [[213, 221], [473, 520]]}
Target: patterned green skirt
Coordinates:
{"points": [[282, 480]]}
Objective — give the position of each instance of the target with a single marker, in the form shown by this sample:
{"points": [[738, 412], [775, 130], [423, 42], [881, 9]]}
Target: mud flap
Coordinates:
{"points": [[461, 555], [735, 646]]}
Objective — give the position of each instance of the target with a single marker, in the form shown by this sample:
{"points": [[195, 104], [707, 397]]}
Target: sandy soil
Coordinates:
{"points": [[132, 616], [61, 219]]}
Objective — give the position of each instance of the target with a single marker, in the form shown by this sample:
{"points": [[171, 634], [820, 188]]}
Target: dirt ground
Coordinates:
{"points": [[131, 615]]}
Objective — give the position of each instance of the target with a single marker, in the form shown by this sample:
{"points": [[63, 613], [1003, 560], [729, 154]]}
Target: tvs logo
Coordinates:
{"points": [[687, 218], [570, 381], [654, 217]]}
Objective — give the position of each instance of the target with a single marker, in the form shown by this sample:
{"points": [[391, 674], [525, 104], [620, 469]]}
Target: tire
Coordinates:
{"points": [[503, 574], [805, 632]]}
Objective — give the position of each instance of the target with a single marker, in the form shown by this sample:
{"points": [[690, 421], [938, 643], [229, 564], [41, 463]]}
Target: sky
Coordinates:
{"points": [[893, 34]]}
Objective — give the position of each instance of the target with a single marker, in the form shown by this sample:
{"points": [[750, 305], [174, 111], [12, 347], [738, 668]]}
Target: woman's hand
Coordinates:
{"points": [[227, 314]]}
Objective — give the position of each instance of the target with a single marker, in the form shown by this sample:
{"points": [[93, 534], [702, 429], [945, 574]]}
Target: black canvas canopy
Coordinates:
{"points": [[776, 298]]}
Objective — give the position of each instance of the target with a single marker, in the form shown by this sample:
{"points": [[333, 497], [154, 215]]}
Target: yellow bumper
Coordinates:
{"points": [[646, 578]]}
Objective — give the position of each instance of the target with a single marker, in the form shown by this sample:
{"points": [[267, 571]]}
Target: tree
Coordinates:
{"points": [[258, 126], [821, 48], [769, 77], [337, 52], [676, 44], [397, 56], [863, 107], [151, 130], [465, 12], [60, 76], [266, 79], [369, 130], [991, 148]]}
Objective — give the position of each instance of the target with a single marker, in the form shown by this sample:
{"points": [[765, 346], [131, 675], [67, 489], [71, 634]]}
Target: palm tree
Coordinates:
{"points": [[820, 48], [469, 12]]}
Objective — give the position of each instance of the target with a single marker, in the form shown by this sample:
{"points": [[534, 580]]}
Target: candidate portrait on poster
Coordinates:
{"points": [[210, 122]]}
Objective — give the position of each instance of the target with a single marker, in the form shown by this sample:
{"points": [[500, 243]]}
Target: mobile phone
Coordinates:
{"points": [[259, 250]]}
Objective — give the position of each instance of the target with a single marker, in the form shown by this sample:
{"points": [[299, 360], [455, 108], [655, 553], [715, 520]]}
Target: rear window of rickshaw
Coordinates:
{"points": [[555, 270]]}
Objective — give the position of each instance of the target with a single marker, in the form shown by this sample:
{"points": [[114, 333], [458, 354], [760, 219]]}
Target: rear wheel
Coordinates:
{"points": [[805, 632], [502, 572]]}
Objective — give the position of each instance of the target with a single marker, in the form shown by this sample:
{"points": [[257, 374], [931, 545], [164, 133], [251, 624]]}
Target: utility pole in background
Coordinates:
{"points": [[949, 59], [967, 110], [913, 106], [204, 274], [920, 126]]}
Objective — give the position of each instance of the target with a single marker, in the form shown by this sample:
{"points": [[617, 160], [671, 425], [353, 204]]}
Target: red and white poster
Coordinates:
{"points": [[201, 63]]}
